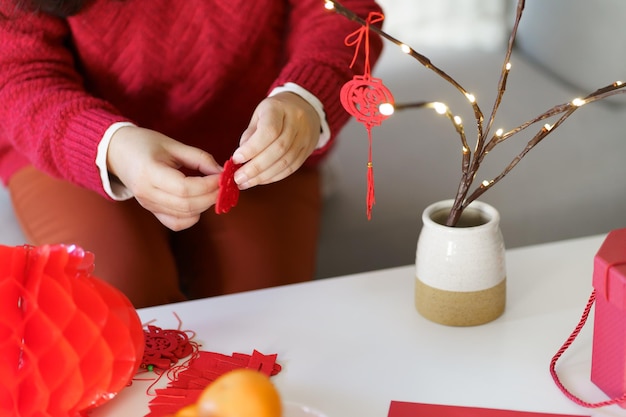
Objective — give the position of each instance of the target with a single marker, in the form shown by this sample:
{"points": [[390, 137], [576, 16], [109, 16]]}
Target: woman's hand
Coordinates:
{"points": [[149, 163], [283, 132]]}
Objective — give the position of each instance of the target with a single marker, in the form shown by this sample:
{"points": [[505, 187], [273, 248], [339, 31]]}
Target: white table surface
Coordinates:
{"points": [[351, 345]]}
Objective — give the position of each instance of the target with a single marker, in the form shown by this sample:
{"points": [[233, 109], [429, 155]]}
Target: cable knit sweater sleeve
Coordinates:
{"points": [[177, 70], [318, 59], [45, 113]]}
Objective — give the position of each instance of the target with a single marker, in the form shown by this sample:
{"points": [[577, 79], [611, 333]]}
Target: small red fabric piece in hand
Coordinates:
{"points": [[228, 194]]}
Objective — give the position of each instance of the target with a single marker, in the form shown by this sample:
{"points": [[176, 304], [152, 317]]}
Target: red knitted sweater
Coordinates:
{"points": [[191, 69]]}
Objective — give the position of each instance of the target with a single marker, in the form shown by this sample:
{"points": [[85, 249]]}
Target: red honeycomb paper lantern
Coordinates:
{"points": [[69, 341]]}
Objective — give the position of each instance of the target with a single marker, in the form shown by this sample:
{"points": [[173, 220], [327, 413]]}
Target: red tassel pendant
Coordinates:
{"points": [[371, 198], [362, 97]]}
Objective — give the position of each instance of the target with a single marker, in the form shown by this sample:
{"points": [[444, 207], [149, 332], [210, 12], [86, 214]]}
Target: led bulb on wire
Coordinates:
{"points": [[386, 109], [440, 107]]}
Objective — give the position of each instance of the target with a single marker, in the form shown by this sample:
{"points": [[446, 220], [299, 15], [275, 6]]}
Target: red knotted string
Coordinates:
{"points": [[362, 96], [356, 38]]}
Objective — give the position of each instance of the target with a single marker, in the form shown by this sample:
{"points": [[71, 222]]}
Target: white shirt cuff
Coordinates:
{"points": [[114, 189], [313, 101]]}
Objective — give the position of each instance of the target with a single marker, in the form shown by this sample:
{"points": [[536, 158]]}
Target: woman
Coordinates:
{"points": [[117, 115]]}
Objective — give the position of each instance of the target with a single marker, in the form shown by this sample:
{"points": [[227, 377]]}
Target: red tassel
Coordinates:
{"points": [[371, 198]]}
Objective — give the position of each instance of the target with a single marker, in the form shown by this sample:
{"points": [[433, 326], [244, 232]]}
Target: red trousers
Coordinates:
{"points": [[268, 239]]}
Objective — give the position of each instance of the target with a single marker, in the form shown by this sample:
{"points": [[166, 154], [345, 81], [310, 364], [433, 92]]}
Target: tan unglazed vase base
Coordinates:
{"points": [[458, 308]]}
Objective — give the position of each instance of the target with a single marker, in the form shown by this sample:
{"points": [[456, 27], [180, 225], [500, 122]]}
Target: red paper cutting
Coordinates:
{"points": [[408, 409], [362, 97], [164, 348], [228, 193], [203, 369], [69, 341]]}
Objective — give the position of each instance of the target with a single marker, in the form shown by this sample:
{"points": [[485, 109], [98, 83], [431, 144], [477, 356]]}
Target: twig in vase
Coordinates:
{"points": [[471, 160]]}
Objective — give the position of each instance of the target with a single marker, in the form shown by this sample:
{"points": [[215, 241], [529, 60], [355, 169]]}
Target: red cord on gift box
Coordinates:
{"points": [[617, 400]]}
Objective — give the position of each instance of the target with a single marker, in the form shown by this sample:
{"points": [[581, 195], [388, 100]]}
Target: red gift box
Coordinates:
{"points": [[608, 362]]}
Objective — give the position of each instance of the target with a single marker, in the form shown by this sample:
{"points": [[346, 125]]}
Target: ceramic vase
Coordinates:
{"points": [[460, 271]]}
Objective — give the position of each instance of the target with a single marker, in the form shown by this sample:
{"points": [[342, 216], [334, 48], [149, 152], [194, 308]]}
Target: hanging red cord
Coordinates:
{"points": [[363, 95]]}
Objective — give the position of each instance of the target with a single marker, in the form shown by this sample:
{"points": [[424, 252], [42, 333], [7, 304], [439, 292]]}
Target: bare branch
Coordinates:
{"points": [[470, 166]]}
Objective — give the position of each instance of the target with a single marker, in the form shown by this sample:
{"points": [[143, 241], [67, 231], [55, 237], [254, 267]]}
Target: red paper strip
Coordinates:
{"points": [[407, 409], [200, 372], [228, 194]]}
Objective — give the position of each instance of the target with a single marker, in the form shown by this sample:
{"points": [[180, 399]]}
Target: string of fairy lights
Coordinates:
{"points": [[483, 146]]}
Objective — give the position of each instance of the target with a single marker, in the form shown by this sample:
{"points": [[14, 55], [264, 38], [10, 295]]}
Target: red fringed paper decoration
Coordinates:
{"points": [[228, 194], [201, 370], [363, 95], [70, 341]]}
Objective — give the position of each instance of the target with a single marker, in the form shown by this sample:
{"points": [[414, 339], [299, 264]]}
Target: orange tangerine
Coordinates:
{"points": [[237, 393], [189, 411]]}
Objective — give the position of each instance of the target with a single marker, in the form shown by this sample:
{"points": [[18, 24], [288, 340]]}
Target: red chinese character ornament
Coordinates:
{"points": [[363, 95]]}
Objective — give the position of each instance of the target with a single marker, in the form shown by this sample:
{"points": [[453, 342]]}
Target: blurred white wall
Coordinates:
{"points": [[456, 24]]}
